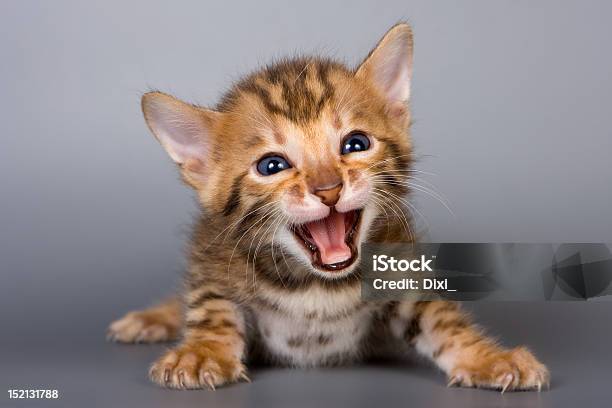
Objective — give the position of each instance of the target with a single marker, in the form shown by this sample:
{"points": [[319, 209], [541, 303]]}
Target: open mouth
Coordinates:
{"points": [[330, 241]]}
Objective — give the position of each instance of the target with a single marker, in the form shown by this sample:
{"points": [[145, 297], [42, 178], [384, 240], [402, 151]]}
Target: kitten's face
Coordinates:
{"points": [[300, 155]]}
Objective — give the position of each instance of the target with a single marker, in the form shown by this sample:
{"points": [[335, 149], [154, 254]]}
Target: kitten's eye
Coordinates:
{"points": [[271, 165], [356, 142]]}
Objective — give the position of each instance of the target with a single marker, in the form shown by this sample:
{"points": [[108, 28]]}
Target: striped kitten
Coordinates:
{"points": [[297, 166]]}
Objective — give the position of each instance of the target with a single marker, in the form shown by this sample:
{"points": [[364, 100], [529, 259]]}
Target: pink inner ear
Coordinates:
{"points": [[389, 65], [392, 72], [184, 137], [179, 127]]}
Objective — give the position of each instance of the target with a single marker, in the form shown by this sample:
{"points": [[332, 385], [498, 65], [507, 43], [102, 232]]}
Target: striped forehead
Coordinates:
{"points": [[297, 90], [299, 96]]}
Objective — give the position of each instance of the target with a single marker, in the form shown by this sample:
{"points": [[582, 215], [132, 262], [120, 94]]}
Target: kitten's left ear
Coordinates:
{"points": [[389, 64]]}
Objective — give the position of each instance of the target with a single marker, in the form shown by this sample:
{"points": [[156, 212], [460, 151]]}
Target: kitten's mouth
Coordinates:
{"points": [[330, 241]]}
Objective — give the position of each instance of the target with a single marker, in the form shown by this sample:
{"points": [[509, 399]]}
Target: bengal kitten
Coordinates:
{"points": [[297, 166]]}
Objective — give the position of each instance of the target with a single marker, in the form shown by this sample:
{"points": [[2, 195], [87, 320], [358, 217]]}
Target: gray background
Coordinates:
{"points": [[512, 108]]}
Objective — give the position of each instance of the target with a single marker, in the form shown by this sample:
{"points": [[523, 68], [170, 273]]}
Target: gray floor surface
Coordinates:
{"points": [[571, 338]]}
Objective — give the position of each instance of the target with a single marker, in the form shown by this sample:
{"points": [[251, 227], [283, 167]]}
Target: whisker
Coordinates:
{"points": [[400, 215], [391, 178], [379, 203], [270, 217], [234, 224], [423, 189], [406, 171], [281, 221], [386, 160], [408, 204], [259, 243], [242, 236]]}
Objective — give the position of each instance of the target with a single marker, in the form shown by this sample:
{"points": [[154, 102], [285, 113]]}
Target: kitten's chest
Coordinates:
{"points": [[314, 328]]}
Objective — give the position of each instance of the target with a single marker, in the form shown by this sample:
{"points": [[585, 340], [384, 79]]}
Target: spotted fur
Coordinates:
{"points": [[250, 292]]}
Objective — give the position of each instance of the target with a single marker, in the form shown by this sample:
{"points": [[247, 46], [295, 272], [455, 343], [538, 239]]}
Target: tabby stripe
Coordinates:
{"points": [[443, 347], [199, 324], [300, 103], [205, 297], [328, 90], [342, 315], [234, 199], [211, 324], [390, 311], [264, 97], [225, 328], [413, 328], [324, 340], [456, 322], [295, 342], [470, 343], [268, 305], [446, 307]]}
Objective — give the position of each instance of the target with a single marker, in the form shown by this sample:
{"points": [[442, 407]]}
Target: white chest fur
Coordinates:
{"points": [[314, 326]]}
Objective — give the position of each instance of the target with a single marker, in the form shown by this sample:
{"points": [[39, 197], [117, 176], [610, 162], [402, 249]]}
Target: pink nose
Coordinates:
{"points": [[329, 196]]}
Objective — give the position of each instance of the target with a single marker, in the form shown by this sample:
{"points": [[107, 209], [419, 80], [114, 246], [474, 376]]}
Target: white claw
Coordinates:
{"points": [[455, 380], [208, 380], [508, 381], [245, 377]]}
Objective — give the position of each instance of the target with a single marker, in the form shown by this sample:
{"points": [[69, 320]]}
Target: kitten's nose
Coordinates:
{"points": [[329, 196]]}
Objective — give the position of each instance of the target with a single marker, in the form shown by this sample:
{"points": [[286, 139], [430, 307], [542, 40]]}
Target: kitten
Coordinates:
{"points": [[297, 166]]}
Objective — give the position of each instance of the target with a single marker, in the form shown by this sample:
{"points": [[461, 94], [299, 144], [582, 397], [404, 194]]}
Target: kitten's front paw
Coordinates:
{"points": [[511, 370], [142, 327], [191, 366]]}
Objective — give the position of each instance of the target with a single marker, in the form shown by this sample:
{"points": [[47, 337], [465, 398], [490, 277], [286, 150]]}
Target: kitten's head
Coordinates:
{"points": [[303, 154]]}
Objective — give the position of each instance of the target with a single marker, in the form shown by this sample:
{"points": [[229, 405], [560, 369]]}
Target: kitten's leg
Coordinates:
{"points": [[442, 332], [159, 323], [213, 345]]}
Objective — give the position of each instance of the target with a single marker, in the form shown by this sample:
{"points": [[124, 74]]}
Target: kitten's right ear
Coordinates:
{"points": [[184, 130]]}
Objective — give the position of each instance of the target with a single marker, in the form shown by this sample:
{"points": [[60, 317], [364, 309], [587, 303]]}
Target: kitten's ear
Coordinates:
{"points": [[184, 130], [389, 64]]}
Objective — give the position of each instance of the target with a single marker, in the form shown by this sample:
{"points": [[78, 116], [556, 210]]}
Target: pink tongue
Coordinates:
{"points": [[328, 234]]}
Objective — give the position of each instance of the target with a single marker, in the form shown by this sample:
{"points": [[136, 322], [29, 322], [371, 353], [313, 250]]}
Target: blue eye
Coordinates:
{"points": [[355, 142], [271, 165]]}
